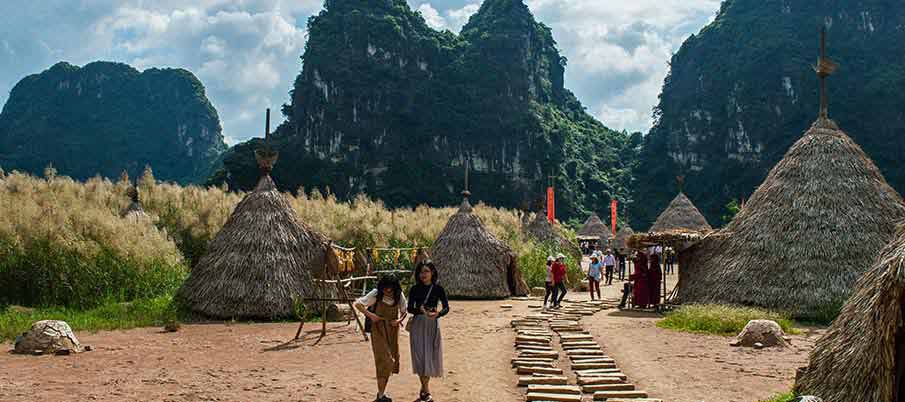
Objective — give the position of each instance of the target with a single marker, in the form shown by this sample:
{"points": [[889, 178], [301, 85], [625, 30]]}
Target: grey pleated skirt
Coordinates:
{"points": [[427, 347]]}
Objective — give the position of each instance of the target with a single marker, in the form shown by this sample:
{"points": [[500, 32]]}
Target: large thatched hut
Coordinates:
{"points": [[806, 234], [594, 228], [261, 260], [680, 215], [472, 262], [545, 232], [862, 356]]}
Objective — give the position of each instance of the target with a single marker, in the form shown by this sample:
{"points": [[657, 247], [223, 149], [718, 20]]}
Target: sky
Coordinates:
{"points": [[247, 52]]}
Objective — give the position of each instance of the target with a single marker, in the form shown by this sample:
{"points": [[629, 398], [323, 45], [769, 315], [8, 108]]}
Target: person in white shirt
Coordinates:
{"points": [[548, 281], [386, 315], [609, 262]]}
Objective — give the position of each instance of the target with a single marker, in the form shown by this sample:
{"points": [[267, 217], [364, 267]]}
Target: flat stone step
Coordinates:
{"points": [[592, 352], [555, 389], [620, 376], [531, 338], [576, 337], [592, 388], [599, 380], [536, 359], [591, 366], [530, 354], [583, 345], [607, 395], [545, 397], [634, 400], [595, 359], [542, 370], [601, 372], [547, 380], [518, 364]]}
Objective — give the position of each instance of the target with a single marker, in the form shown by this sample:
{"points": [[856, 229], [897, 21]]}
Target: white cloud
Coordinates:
{"points": [[246, 52], [618, 50], [432, 17], [459, 17]]}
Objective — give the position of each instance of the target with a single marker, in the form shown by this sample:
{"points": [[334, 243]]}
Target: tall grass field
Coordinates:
{"points": [[65, 250]]}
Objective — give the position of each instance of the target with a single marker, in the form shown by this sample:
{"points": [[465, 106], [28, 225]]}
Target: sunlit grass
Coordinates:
{"points": [[720, 319]]}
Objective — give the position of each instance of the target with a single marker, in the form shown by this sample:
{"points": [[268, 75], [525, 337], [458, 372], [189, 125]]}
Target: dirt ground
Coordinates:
{"points": [[253, 362]]}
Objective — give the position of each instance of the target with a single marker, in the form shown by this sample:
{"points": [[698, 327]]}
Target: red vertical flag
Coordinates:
{"points": [[551, 208], [613, 205]]}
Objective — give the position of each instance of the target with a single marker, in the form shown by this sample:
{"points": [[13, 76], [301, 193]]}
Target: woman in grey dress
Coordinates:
{"points": [[424, 303]]}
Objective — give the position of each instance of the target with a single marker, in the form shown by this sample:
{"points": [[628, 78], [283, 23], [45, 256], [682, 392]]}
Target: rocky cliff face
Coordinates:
{"points": [[104, 118], [389, 107], [742, 91]]}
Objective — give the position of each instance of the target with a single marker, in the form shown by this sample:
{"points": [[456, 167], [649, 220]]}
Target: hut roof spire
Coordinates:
{"points": [[265, 155], [824, 68]]}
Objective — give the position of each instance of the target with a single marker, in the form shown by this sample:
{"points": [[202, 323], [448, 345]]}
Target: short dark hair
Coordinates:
{"points": [[430, 264]]}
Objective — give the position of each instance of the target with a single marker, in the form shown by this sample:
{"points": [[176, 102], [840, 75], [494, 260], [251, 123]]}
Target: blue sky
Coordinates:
{"points": [[246, 52]]}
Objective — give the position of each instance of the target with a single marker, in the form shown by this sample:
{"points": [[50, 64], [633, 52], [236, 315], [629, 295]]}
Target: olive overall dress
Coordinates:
{"points": [[385, 340]]}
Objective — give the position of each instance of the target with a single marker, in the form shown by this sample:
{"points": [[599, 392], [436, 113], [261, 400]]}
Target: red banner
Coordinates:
{"points": [[551, 210], [613, 206]]}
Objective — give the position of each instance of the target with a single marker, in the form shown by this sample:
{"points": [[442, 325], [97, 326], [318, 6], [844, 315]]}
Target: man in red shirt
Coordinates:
{"points": [[559, 280]]}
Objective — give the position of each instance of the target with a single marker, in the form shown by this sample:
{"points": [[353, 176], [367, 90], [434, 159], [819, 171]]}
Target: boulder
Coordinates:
{"points": [[340, 313], [47, 337], [538, 291], [767, 333], [582, 286]]}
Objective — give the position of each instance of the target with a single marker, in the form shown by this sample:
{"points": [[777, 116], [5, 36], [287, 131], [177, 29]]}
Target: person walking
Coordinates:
{"points": [[620, 261], [609, 262], [594, 273], [427, 302], [548, 281], [386, 308], [559, 280]]}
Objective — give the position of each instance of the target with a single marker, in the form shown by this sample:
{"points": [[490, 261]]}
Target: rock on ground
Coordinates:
{"points": [[47, 337], [767, 333]]}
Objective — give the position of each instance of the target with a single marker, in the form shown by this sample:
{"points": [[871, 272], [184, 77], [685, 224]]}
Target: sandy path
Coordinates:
{"points": [[244, 362]]}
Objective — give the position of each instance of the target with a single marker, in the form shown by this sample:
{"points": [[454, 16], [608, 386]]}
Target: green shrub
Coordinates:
{"points": [[139, 313], [719, 319], [786, 397]]}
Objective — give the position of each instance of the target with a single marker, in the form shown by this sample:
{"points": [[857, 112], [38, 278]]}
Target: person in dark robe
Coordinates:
{"points": [[654, 278], [640, 287]]}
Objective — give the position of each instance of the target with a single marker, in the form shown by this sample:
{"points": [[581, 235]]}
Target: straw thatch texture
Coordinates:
{"points": [[262, 258], [678, 239], [595, 227], [471, 262], [620, 242], [855, 361], [680, 215], [805, 235], [543, 231]]}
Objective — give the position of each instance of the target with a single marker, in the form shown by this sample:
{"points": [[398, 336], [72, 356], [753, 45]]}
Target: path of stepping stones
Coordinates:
{"points": [[591, 374]]}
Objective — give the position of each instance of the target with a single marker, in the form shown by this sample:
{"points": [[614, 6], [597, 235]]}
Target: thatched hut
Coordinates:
{"points": [[594, 228], [862, 356], [620, 242], [680, 216], [134, 210], [543, 231], [472, 263], [261, 260], [805, 235]]}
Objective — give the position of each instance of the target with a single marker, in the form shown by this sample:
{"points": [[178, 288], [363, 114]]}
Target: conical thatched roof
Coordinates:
{"points": [[472, 263], [593, 226], [259, 261], [543, 231], [620, 242], [805, 235], [680, 216], [855, 361]]}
